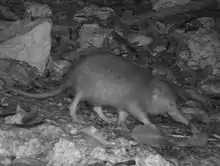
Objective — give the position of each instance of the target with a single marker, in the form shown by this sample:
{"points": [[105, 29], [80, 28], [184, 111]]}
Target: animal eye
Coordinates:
{"points": [[172, 103]]}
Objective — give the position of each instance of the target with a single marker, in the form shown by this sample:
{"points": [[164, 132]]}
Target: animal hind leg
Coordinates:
{"points": [[99, 111], [122, 115], [73, 107]]}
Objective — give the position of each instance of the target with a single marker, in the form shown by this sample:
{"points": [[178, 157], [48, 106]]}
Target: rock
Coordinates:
{"points": [[204, 46], [7, 13], [29, 42], [53, 145], [16, 72], [159, 4], [92, 10], [58, 68], [142, 40], [92, 34], [35, 9]]}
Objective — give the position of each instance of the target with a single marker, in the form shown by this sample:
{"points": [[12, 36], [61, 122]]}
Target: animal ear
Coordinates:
{"points": [[157, 92]]}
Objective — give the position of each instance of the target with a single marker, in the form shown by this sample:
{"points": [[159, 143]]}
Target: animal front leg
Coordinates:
{"points": [[73, 107], [122, 115], [99, 111], [139, 114], [177, 116]]}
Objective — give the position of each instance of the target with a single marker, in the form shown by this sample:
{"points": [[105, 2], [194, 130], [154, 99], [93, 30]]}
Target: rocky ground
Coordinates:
{"points": [[41, 39]]}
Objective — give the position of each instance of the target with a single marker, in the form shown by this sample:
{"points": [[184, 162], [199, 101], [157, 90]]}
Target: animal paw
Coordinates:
{"points": [[122, 126], [77, 119], [99, 111]]}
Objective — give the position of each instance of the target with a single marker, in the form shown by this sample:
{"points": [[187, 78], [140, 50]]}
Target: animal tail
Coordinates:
{"points": [[37, 95]]}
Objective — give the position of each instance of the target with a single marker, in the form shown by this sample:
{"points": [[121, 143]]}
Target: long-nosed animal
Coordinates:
{"points": [[105, 79]]}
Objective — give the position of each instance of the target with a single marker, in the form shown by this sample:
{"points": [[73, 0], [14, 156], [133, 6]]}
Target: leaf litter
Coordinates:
{"points": [[166, 45]]}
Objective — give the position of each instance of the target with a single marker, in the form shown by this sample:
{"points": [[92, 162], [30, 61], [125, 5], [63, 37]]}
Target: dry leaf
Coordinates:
{"points": [[27, 161], [92, 135], [17, 118], [198, 139], [145, 134]]}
